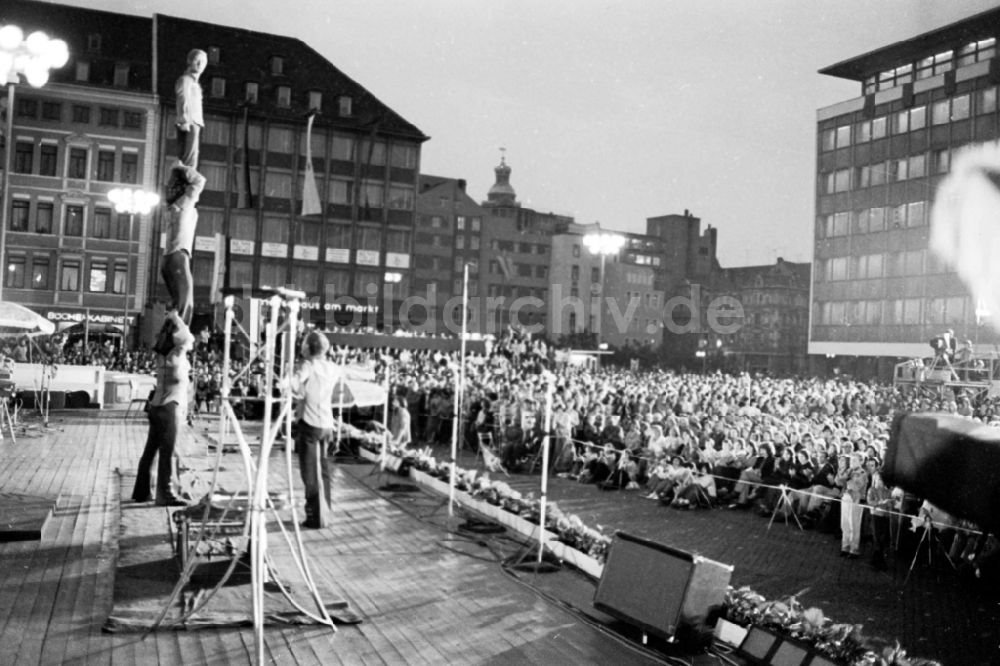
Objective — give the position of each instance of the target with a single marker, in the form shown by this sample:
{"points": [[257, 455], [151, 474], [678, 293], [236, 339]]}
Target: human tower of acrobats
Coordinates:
{"points": [[168, 405]]}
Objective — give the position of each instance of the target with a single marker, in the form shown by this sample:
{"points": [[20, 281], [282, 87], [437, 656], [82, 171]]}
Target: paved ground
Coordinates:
{"points": [[936, 613]]}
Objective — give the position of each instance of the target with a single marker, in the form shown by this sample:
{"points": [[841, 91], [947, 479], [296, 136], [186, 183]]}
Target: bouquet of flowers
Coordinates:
{"points": [[843, 643]]}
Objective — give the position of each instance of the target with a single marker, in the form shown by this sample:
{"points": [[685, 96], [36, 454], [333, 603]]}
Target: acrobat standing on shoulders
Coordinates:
{"points": [[190, 120], [181, 221]]}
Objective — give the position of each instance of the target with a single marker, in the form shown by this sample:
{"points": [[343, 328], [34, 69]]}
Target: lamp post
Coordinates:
{"points": [[32, 57], [603, 244], [132, 202]]}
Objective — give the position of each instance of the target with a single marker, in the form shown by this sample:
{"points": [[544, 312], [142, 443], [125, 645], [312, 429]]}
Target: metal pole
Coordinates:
{"points": [[600, 297], [5, 201], [128, 272], [459, 390]]}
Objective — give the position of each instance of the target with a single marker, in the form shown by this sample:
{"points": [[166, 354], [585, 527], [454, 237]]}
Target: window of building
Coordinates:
{"points": [[283, 97], [119, 280], [250, 90], [372, 194], [279, 140], [14, 275], [340, 191], [477, 223], [401, 197], [82, 71], [43, 217], [836, 269], [898, 170], [576, 251], [51, 110], [277, 65], [122, 226], [460, 223], [373, 152], [132, 120], [98, 280], [214, 55], [960, 107], [130, 168], [47, 155], [397, 240], [863, 131], [987, 100], [39, 272], [977, 51], [74, 221], [474, 242], [315, 100], [916, 213], [936, 64], [77, 167], [94, 42], [403, 155], [863, 176], [917, 166], [81, 114], [369, 238], [69, 277], [121, 75], [218, 86], [459, 241], [344, 106], [940, 112], [108, 117], [105, 165], [102, 223], [942, 160], [19, 209], [24, 153], [27, 108], [876, 219], [879, 127]]}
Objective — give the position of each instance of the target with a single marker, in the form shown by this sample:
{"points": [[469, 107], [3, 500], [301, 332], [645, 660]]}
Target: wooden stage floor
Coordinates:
{"points": [[426, 595]]}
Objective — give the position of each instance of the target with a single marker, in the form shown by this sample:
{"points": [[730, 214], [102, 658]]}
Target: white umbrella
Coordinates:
{"points": [[18, 320], [356, 393]]}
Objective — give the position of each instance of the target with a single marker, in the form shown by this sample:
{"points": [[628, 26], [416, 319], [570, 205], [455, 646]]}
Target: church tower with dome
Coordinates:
{"points": [[502, 195]]}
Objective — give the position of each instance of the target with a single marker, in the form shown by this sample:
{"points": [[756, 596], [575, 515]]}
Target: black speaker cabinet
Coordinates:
{"points": [[659, 588]]}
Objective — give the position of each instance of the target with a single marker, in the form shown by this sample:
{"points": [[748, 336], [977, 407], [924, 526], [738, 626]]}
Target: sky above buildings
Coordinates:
{"points": [[608, 111]]}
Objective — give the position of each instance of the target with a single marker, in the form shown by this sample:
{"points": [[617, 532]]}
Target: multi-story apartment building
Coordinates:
{"points": [[354, 258], [448, 237], [107, 118], [623, 307], [515, 251], [771, 336], [878, 292], [67, 254]]}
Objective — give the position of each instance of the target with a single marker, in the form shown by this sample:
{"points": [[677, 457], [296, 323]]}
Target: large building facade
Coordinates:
{"points": [[67, 254], [878, 292], [354, 258], [107, 119]]}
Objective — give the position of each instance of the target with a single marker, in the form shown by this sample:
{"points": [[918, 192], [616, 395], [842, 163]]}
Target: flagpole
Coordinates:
{"points": [[459, 390]]}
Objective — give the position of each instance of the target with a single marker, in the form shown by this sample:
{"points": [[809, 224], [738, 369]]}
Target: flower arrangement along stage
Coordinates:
{"points": [[843, 643]]}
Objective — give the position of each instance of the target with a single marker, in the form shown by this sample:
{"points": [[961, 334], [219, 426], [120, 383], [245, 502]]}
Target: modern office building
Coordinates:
{"points": [[66, 253], [354, 257], [878, 292]]}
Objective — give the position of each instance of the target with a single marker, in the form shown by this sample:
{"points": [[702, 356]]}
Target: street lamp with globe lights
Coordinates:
{"points": [[603, 244], [131, 202], [31, 57]]}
